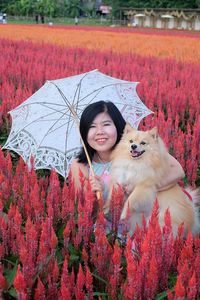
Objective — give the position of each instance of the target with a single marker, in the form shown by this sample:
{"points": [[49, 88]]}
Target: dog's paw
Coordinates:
{"points": [[130, 208], [106, 209], [123, 214], [125, 210], [144, 207]]}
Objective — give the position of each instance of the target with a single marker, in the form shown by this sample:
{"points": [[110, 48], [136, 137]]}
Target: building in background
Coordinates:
{"points": [[163, 18]]}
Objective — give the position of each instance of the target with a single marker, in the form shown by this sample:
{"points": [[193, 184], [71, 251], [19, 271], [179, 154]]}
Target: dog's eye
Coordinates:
{"points": [[131, 141], [142, 143]]}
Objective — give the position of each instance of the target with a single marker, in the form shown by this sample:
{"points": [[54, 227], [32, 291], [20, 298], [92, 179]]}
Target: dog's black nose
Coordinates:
{"points": [[133, 147]]}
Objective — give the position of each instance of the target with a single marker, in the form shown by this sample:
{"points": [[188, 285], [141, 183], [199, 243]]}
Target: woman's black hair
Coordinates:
{"points": [[88, 116]]}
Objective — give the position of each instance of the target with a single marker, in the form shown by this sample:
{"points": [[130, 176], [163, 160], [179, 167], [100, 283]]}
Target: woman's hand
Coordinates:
{"points": [[96, 183]]}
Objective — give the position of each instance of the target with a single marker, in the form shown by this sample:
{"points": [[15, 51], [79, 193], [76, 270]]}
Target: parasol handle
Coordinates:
{"points": [[98, 193]]}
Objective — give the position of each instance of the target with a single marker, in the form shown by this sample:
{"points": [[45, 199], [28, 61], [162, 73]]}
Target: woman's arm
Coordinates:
{"points": [[174, 174], [75, 169], [95, 181]]}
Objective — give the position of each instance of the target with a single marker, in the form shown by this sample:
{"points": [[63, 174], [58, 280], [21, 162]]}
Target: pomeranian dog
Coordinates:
{"points": [[139, 162]]}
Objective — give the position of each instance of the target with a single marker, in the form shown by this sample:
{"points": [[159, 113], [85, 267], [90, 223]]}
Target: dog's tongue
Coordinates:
{"points": [[136, 153]]}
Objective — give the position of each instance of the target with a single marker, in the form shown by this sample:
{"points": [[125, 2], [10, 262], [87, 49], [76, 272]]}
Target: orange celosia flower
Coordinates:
{"points": [[168, 45]]}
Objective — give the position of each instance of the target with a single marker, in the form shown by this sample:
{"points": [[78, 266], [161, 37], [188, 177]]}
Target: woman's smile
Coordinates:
{"points": [[102, 134], [101, 140]]}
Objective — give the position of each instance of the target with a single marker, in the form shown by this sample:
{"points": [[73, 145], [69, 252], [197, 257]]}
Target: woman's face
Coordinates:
{"points": [[102, 134]]}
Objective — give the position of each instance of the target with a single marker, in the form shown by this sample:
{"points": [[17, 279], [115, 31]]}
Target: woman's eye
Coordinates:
{"points": [[142, 143], [107, 124], [131, 141]]}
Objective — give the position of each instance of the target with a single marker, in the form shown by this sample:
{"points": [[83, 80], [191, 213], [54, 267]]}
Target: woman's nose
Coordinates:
{"points": [[99, 130]]}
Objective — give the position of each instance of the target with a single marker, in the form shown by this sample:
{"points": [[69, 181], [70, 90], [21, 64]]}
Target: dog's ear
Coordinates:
{"points": [[128, 128], [154, 132]]}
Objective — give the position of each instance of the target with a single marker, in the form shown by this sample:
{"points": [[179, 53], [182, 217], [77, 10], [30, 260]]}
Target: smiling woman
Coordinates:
{"points": [[101, 128]]}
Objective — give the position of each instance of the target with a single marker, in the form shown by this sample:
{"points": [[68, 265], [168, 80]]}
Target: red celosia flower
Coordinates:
{"points": [[54, 198], [65, 292], [48, 242], [66, 235], [115, 268], [65, 202], [179, 289], [167, 251], [132, 287], [14, 228], [116, 204], [186, 260], [53, 274], [3, 282], [178, 245], [80, 282], [36, 203], [40, 293], [85, 220], [54, 239], [85, 256], [88, 283], [1, 249], [67, 282], [19, 281], [192, 288], [101, 250], [18, 182], [170, 295], [151, 286], [196, 266]]}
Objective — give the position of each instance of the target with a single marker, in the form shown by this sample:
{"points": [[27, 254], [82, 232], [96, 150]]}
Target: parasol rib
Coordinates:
{"points": [[71, 108]]}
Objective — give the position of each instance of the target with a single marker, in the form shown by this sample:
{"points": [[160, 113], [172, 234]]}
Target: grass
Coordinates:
{"points": [[64, 21]]}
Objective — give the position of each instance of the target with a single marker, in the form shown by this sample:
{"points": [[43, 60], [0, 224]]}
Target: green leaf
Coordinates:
{"points": [[13, 293], [74, 257], [99, 278], [100, 294], [10, 274], [42, 266], [172, 280], [162, 295], [73, 261], [59, 232], [59, 256]]}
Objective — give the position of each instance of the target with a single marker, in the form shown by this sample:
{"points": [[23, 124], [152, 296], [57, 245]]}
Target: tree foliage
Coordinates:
{"points": [[74, 8], [163, 3]]}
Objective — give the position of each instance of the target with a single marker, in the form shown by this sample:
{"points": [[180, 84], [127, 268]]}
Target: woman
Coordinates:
{"points": [[101, 128]]}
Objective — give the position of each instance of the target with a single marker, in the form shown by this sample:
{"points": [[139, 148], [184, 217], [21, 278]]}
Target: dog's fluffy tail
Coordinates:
{"points": [[195, 194]]}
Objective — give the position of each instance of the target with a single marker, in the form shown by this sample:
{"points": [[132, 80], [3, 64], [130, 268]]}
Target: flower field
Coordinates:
{"points": [[48, 246]]}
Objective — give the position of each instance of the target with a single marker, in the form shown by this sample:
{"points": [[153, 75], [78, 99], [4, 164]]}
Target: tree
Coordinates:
{"points": [[198, 3], [74, 8], [156, 3], [26, 7], [45, 7]]}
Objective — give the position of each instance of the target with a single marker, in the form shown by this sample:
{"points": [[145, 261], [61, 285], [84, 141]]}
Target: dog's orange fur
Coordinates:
{"points": [[141, 174]]}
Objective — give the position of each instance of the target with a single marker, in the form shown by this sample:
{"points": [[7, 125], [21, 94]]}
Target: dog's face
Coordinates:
{"points": [[138, 143]]}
